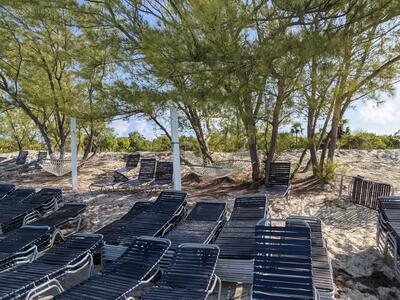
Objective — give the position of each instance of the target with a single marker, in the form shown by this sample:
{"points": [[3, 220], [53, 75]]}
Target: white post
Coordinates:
{"points": [[175, 148], [74, 158]]}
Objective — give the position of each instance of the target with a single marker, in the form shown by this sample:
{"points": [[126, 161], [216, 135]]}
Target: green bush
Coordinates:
{"points": [[327, 172], [366, 141]]}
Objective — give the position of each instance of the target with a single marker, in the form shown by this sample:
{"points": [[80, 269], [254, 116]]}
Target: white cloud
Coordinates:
{"points": [[124, 127], [121, 127], [381, 119]]}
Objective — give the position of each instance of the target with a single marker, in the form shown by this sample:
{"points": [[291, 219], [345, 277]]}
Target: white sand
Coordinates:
{"points": [[360, 271]]}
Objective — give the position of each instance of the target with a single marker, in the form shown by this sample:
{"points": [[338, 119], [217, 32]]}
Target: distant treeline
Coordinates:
{"points": [[218, 142]]}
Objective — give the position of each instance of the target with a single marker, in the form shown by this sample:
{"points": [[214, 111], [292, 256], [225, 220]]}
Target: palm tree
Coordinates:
{"points": [[296, 129]]}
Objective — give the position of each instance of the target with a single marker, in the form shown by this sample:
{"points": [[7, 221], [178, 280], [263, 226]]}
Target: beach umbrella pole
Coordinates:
{"points": [[175, 148], [74, 156]]}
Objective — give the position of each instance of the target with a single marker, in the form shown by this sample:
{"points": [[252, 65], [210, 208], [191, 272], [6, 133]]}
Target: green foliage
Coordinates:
{"points": [[366, 141], [327, 173]]}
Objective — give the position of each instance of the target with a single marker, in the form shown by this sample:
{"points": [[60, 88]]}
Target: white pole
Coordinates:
{"points": [[175, 148], [74, 158]]}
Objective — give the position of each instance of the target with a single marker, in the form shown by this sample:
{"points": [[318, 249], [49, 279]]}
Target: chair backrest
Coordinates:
{"points": [[17, 195], [283, 264], [147, 168], [168, 202], [6, 188], [192, 267], [207, 211], [42, 197], [22, 156], [132, 160], [279, 173], [41, 156], [140, 258], [366, 192], [164, 171], [249, 208]]}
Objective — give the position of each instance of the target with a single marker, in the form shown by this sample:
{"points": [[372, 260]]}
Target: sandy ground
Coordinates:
{"points": [[359, 269]]}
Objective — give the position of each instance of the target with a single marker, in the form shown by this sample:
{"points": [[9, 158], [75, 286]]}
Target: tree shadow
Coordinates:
{"points": [[346, 215]]}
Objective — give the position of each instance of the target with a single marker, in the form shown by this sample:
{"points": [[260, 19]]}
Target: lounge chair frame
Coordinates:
{"points": [[213, 281], [270, 222], [236, 269], [278, 179], [86, 262]]}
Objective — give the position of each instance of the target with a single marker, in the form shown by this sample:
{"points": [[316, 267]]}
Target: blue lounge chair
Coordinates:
{"points": [[278, 179], [38, 278], [119, 280], [237, 239], [190, 276], [283, 263]]}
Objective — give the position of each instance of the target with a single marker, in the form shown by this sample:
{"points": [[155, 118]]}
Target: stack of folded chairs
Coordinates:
{"points": [[388, 228], [201, 226], [22, 243], [154, 220], [237, 239], [291, 261], [14, 214], [35, 279]]}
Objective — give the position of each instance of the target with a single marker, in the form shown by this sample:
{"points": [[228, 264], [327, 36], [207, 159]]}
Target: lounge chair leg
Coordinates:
{"points": [[44, 288], [219, 288]]}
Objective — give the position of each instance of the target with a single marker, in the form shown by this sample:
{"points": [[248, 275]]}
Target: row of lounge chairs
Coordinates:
{"points": [[187, 247], [31, 222], [388, 229], [153, 175]]}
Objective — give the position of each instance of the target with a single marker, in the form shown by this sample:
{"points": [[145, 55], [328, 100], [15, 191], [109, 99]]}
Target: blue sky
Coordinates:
{"points": [[382, 119]]}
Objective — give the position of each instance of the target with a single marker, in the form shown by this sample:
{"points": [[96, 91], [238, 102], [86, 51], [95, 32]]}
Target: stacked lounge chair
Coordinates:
{"points": [[40, 203], [41, 276], [118, 175], [157, 220], [278, 179], [321, 264], [163, 176], [111, 230], [34, 165], [190, 276], [23, 245], [237, 239], [283, 267], [119, 280], [145, 177], [68, 215], [6, 189], [201, 226], [16, 196], [388, 229]]}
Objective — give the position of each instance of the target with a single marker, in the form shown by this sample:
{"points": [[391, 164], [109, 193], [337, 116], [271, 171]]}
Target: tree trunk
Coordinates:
{"points": [[275, 125], [334, 129], [252, 141], [195, 123]]}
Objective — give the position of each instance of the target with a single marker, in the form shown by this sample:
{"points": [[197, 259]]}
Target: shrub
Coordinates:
{"points": [[327, 173]]}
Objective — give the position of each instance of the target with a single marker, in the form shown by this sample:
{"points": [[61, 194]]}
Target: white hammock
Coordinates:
{"points": [[218, 169], [57, 167]]}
